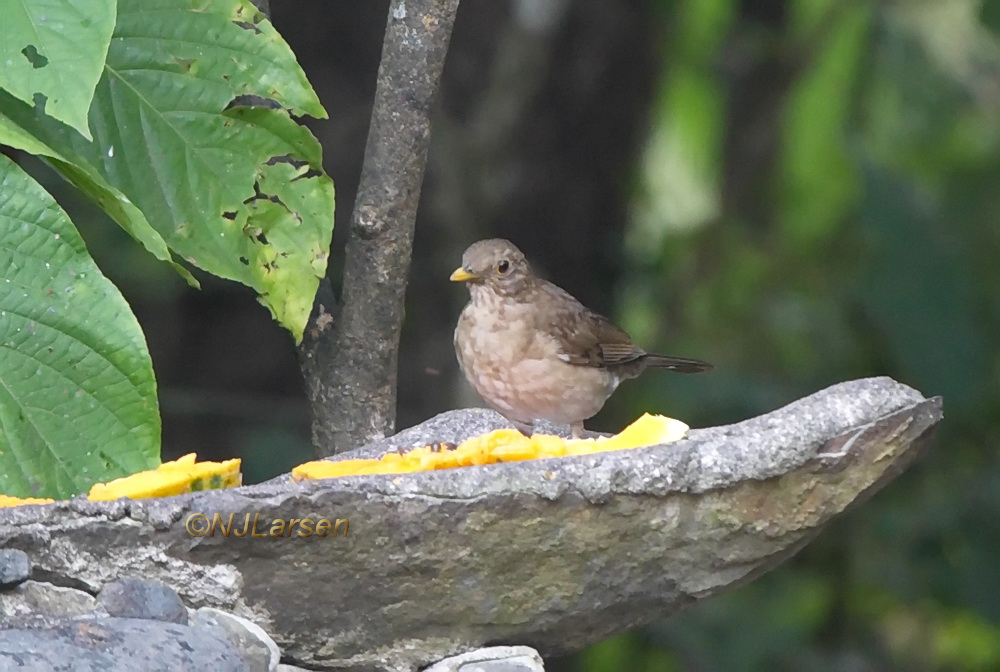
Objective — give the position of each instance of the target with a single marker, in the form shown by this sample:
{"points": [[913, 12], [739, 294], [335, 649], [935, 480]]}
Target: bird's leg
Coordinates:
{"points": [[526, 428], [576, 429]]}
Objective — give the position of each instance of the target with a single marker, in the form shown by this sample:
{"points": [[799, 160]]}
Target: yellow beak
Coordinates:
{"points": [[462, 275]]}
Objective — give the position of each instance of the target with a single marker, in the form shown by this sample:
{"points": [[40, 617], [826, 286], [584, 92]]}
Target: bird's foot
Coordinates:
{"points": [[576, 430], [526, 428]]}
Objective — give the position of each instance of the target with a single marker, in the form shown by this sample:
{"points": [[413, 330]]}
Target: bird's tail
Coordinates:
{"points": [[678, 364]]}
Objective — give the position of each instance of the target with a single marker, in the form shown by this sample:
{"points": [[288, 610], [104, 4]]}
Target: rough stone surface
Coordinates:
{"points": [[14, 567], [492, 659], [138, 598], [36, 597], [554, 553], [117, 645], [258, 649]]}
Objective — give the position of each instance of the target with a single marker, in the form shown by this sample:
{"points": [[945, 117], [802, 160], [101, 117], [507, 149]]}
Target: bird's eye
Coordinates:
{"points": [[503, 266]]}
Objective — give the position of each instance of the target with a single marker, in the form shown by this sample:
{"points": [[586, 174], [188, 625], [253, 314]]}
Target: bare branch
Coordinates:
{"points": [[349, 357]]}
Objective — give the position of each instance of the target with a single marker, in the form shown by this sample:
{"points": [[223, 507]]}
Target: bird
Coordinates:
{"points": [[534, 352]]}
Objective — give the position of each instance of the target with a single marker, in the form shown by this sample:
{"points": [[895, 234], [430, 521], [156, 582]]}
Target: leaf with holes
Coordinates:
{"points": [[77, 394], [53, 54], [289, 220], [190, 119]]}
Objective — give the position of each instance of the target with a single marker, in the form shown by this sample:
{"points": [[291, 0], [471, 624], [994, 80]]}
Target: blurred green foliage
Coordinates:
{"points": [[867, 243]]}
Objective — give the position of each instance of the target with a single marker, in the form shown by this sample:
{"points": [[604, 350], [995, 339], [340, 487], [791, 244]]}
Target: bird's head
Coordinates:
{"points": [[495, 264]]}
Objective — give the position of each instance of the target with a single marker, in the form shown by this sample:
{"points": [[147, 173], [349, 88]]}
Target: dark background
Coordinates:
{"points": [[800, 192]]}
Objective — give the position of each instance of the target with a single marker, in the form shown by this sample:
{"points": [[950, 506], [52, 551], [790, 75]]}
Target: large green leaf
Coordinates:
{"points": [[192, 124], [77, 394], [239, 193], [215, 183], [818, 180], [88, 180], [53, 52]]}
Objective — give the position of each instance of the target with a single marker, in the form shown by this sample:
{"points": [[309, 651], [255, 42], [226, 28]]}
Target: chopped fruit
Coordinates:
{"points": [[181, 476], [6, 500], [648, 430], [502, 445]]}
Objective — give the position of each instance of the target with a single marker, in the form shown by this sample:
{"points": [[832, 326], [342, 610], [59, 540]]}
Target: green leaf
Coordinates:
{"points": [[53, 53], [289, 221], [14, 131], [818, 180], [191, 123], [77, 394]]}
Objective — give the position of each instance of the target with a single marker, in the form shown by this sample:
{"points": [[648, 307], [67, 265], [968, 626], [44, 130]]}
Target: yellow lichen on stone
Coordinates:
{"points": [[181, 476], [502, 445], [7, 500]]}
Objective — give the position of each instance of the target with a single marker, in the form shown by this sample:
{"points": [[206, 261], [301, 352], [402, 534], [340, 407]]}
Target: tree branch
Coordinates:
{"points": [[349, 358]]}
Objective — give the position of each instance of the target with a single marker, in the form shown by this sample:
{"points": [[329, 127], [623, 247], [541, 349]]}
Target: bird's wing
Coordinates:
{"points": [[584, 337]]}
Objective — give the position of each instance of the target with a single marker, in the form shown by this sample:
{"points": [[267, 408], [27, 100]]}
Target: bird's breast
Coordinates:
{"points": [[498, 338], [515, 367]]}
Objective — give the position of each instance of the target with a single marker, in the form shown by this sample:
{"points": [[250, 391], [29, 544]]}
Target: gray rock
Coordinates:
{"points": [[14, 567], [554, 553], [257, 648], [37, 597], [492, 659], [139, 598], [117, 645]]}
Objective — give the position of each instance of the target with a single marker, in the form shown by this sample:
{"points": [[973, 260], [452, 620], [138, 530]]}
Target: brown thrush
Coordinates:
{"points": [[532, 351]]}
